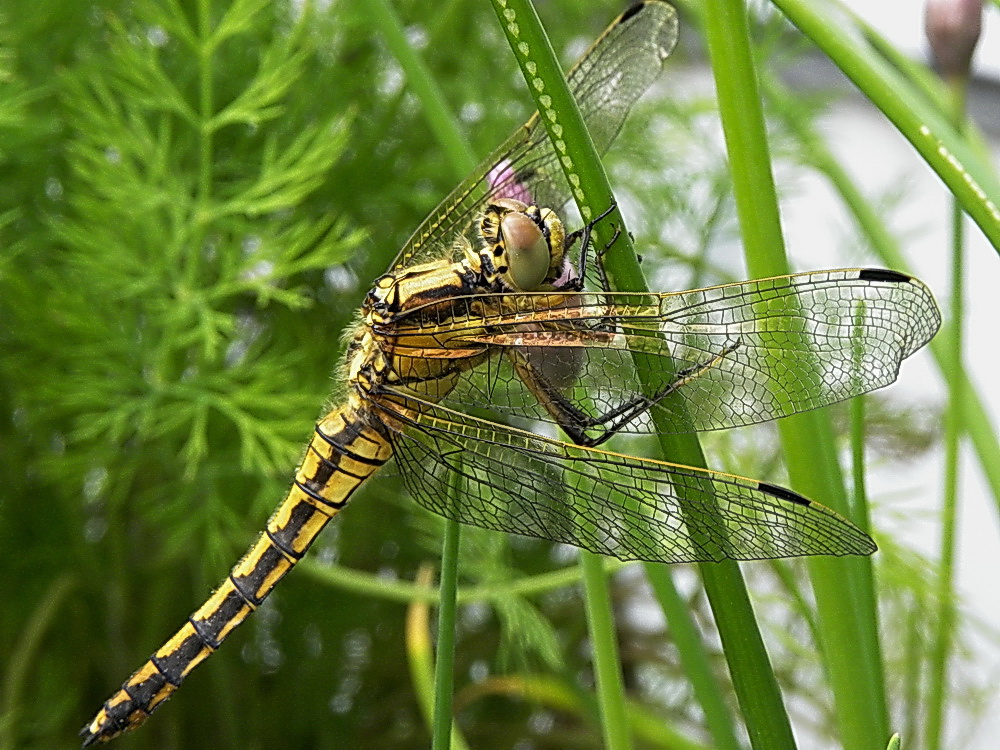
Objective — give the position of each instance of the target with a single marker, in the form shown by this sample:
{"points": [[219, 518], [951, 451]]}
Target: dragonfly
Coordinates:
{"points": [[482, 338]]}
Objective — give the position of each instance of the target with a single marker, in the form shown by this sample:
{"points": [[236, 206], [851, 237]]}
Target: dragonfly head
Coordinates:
{"points": [[522, 245]]}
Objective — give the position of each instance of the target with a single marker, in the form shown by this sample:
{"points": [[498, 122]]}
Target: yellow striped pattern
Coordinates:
{"points": [[343, 453]]}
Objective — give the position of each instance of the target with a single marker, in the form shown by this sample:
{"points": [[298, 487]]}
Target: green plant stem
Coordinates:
{"points": [[697, 667], [420, 80], [403, 592], [610, 687], [727, 35], [858, 477], [911, 634], [444, 672], [843, 588], [945, 625], [969, 179], [420, 657], [750, 668], [865, 580]]}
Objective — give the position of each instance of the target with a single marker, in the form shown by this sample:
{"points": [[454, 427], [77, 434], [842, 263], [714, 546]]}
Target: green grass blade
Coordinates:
{"points": [[610, 685], [418, 77], [694, 657], [967, 176], [444, 670], [944, 636], [843, 590]]}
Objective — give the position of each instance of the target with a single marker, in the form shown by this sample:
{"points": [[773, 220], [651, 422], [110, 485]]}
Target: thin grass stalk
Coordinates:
{"points": [[601, 624], [913, 677], [420, 657], [944, 631], [789, 577], [865, 582], [404, 592], [694, 659], [858, 464], [845, 600], [727, 35], [433, 105], [444, 669]]}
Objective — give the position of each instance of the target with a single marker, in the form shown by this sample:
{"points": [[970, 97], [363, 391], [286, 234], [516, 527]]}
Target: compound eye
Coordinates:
{"points": [[528, 254]]}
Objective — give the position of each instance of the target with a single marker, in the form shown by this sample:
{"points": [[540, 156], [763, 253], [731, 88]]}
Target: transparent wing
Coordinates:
{"points": [[611, 504], [724, 356], [606, 82]]}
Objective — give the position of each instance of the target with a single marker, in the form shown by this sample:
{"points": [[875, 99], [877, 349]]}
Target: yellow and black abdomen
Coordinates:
{"points": [[344, 451]]}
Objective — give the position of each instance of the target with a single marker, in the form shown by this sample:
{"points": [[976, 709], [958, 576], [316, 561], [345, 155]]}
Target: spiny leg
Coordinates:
{"points": [[576, 423], [583, 235]]}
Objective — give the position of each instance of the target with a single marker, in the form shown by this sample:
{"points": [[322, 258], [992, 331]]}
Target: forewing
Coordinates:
{"points": [[606, 82], [630, 508], [734, 354]]}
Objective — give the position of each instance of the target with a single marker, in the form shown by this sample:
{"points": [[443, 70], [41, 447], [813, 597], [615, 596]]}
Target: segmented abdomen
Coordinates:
{"points": [[343, 453]]}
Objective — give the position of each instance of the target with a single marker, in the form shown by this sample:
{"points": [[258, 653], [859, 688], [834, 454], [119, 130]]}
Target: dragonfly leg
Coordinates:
{"points": [[602, 274], [577, 424], [583, 234]]}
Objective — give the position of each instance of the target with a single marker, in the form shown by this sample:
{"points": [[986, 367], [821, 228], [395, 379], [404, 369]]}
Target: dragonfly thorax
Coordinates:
{"points": [[522, 246], [405, 289]]}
